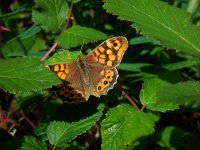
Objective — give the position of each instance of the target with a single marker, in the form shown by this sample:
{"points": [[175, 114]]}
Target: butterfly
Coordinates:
{"points": [[93, 75]]}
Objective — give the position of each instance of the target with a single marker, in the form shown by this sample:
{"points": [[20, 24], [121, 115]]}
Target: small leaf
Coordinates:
{"points": [[25, 74], [78, 35], [52, 14], [168, 24], [149, 97], [63, 57], [60, 133], [123, 125], [31, 143]]}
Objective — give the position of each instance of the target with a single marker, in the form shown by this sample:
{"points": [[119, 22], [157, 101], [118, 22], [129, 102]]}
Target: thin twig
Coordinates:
{"points": [[129, 99], [143, 107], [49, 51], [28, 120], [69, 14]]}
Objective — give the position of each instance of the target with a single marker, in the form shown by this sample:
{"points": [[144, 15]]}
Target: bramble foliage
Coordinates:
{"points": [[158, 75]]}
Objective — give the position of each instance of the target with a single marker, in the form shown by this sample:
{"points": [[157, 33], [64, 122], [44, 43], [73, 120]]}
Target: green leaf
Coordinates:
{"points": [[180, 93], [149, 95], [25, 74], [78, 35], [142, 40], [59, 133], [123, 125], [63, 57], [168, 24], [41, 131], [31, 143], [38, 45], [51, 14], [18, 46]]}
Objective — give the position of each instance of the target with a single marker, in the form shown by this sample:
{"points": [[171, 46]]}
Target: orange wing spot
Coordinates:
{"points": [[62, 67], [99, 88], [59, 74], [109, 44], [63, 76], [101, 49], [109, 63], [102, 60], [112, 57], [118, 43], [56, 68], [109, 77], [109, 51], [67, 71], [104, 83], [95, 59], [97, 52], [102, 56], [120, 54], [109, 72]]}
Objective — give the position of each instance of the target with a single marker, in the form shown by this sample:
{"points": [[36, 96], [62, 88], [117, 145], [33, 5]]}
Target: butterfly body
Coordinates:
{"points": [[93, 75]]}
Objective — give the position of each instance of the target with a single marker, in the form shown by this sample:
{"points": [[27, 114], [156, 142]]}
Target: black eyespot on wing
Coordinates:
{"points": [[114, 44], [105, 82], [99, 87], [71, 95]]}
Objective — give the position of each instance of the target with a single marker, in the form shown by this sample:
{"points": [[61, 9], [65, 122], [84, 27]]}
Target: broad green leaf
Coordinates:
{"points": [[31, 143], [25, 74], [149, 95], [59, 133], [63, 57], [51, 14], [123, 125], [180, 93], [78, 35], [18, 46], [156, 19], [168, 139]]}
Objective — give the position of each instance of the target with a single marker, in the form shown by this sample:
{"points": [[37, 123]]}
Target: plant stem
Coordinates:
{"points": [[129, 99], [28, 120], [69, 14], [49, 51]]}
